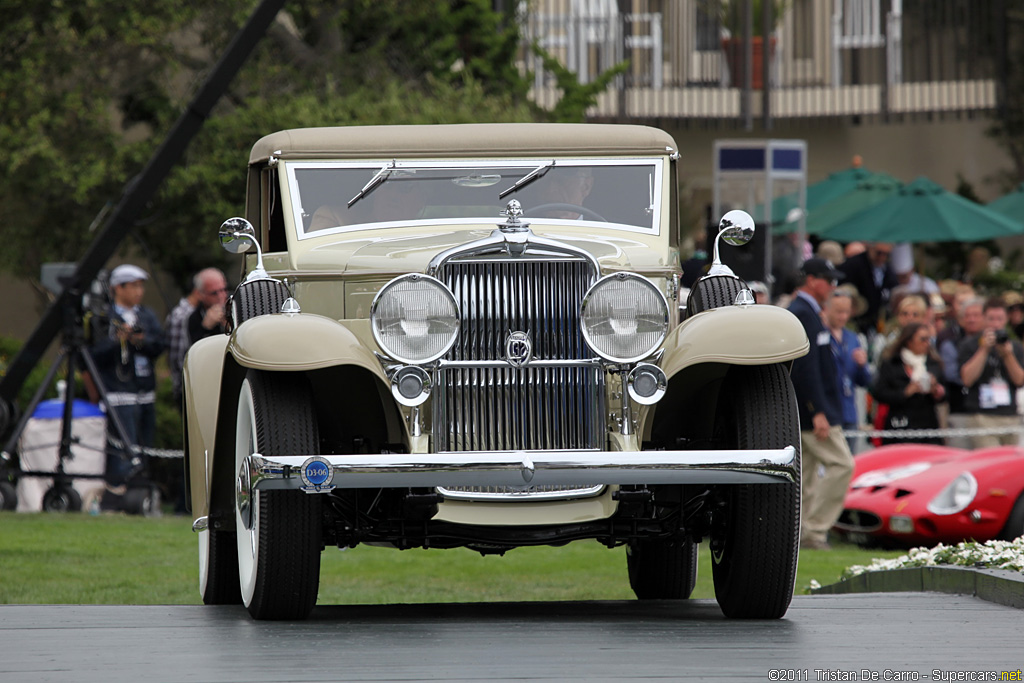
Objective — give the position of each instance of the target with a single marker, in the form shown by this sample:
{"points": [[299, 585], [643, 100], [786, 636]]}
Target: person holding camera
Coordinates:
{"points": [[125, 346], [992, 369], [210, 316], [908, 382]]}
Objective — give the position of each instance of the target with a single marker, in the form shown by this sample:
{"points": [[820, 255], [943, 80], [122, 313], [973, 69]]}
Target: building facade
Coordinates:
{"points": [[911, 86]]}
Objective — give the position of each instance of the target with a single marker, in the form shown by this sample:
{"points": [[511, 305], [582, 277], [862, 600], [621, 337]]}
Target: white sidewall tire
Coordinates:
{"points": [[248, 539]]}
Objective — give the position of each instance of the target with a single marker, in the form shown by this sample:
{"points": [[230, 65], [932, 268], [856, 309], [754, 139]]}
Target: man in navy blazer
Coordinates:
{"points": [[827, 462]]}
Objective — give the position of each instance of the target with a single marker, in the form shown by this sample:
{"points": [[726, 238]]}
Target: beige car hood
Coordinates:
{"points": [[412, 252]]}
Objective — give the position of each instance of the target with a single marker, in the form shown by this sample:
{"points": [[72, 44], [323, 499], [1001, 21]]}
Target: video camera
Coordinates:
{"points": [[96, 300]]}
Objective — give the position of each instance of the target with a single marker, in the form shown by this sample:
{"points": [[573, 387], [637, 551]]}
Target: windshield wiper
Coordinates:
{"points": [[527, 179], [383, 174]]}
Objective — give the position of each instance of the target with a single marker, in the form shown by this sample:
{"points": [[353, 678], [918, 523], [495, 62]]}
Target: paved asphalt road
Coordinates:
{"points": [[893, 636]]}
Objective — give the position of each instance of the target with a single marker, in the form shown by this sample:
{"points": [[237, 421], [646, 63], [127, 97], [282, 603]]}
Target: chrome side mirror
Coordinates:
{"points": [[736, 228], [237, 235]]}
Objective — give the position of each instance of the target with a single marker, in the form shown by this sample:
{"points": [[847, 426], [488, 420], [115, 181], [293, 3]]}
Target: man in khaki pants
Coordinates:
{"points": [[826, 458]]}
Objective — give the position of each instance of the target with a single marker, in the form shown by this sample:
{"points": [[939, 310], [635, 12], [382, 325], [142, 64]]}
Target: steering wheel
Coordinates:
{"points": [[559, 206]]}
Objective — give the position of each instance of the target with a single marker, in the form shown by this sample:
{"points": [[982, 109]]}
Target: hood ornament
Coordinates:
{"points": [[513, 223], [512, 237]]}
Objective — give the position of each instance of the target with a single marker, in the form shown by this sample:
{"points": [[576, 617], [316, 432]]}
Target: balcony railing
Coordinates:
{"points": [[826, 58]]}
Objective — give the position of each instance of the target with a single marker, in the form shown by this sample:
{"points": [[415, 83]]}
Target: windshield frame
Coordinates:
{"points": [[373, 166]]}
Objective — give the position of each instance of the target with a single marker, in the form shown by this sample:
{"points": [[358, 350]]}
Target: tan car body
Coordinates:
{"points": [[335, 277]]}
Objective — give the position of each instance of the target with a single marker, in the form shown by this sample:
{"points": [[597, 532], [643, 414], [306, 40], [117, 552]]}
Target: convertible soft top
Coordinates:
{"points": [[467, 140]]}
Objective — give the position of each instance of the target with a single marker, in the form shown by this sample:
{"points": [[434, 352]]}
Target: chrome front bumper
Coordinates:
{"points": [[517, 469]]}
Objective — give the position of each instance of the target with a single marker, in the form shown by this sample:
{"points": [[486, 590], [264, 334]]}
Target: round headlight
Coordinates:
{"points": [[414, 319], [624, 317], [957, 495]]}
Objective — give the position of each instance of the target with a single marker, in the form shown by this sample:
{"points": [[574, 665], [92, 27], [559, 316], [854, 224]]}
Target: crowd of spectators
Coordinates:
{"points": [[915, 354], [893, 352]]}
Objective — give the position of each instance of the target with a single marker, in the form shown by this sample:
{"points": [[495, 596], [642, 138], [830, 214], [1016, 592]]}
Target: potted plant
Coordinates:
{"points": [[732, 15]]}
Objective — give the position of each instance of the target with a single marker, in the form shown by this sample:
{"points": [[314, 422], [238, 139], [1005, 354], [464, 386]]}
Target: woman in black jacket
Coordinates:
{"points": [[907, 381]]}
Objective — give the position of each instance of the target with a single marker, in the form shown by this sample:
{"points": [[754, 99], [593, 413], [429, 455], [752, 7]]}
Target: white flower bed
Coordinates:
{"points": [[989, 555]]}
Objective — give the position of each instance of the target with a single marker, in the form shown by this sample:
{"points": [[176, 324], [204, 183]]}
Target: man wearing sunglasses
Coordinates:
{"points": [[209, 317]]}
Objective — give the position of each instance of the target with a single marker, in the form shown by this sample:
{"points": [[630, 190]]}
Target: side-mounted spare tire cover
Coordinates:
{"points": [[713, 291], [256, 298]]}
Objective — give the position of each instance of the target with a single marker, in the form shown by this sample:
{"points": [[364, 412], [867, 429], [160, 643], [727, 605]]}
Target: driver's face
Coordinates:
{"points": [[571, 188]]}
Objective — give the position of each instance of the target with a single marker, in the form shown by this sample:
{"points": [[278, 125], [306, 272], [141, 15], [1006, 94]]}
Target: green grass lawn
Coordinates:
{"points": [[115, 559]]}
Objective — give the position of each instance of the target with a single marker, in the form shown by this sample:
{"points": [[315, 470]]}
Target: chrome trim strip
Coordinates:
{"points": [[528, 494], [534, 363], [537, 468]]}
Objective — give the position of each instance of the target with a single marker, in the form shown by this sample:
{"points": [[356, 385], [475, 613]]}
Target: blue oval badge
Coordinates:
{"points": [[316, 473]]}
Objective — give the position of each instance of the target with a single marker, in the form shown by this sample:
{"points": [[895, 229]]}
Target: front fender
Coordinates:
{"points": [[299, 342], [735, 335], [201, 381]]}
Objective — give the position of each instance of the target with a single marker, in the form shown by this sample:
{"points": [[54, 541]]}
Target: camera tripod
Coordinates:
{"points": [[62, 496]]}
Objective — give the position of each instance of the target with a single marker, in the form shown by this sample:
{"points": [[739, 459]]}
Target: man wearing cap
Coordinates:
{"points": [[125, 347], [826, 460]]}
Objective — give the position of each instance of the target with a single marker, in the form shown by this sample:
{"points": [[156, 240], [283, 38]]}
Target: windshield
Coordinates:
{"points": [[330, 197]]}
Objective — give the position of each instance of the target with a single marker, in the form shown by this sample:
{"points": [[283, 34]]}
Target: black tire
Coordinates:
{"points": [[8, 496], [256, 298], [142, 500], [1014, 527], [218, 564], [279, 558], [754, 546], [662, 570], [713, 292], [61, 498]]}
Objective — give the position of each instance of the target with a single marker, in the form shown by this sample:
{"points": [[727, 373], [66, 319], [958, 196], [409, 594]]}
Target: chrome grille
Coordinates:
{"points": [[554, 407]]}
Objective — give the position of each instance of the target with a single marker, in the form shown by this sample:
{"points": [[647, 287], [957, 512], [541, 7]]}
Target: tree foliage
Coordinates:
{"points": [[576, 97], [89, 89], [76, 80]]}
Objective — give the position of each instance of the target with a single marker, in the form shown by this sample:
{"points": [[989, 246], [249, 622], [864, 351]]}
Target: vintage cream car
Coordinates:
{"points": [[470, 336]]}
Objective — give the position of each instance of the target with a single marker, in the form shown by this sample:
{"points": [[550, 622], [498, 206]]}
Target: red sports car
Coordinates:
{"points": [[913, 495]]}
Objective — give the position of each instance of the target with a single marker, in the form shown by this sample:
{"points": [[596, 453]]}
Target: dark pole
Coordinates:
{"points": [[766, 20], [137, 193], [748, 64]]}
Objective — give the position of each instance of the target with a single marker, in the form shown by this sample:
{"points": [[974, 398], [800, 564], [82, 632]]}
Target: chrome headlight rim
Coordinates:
{"points": [[945, 501], [417, 374], [620, 277], [656, 374], [377, 337]]}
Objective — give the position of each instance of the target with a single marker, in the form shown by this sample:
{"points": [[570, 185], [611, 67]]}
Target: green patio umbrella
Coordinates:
{"points": [[817, 194], [873, 189], [820, 193], [1010, 204], [923, 211]]}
